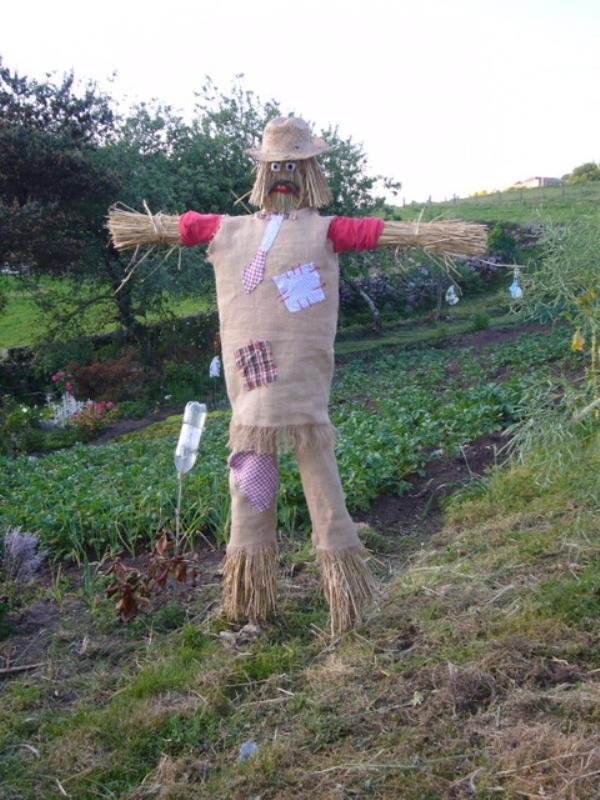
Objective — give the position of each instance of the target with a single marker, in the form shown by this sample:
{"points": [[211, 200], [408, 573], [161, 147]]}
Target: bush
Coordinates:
{"points": [[481, 321], [19, 431], [92, 418], [127, 409], [179, 382], [502, 243], [51, 358], [117, 378]]}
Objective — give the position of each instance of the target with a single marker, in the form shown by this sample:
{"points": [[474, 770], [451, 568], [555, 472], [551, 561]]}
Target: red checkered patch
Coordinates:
{"points": [[257, 477], [255, 362]]}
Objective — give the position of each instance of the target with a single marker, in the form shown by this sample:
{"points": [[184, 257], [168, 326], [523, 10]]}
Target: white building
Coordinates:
{"points": [[536, 183]]}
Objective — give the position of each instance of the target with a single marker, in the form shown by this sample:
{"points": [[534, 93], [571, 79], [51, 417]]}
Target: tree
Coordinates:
{"points": [[584, 173], [66, 156], [48, 179]]}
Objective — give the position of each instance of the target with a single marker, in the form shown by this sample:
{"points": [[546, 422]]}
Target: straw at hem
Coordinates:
{"points": [[250, 584], [348, 585]]}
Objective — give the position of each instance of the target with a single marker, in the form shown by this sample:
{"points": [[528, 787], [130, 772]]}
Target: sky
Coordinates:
{"points": [[448, 97]]}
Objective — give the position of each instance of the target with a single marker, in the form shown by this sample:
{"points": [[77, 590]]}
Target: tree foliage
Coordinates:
{"points": [[66, 155], [50, 185], [590, 171]]}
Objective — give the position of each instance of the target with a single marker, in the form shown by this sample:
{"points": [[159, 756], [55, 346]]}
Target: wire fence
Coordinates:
{"points": [[569, 192]]}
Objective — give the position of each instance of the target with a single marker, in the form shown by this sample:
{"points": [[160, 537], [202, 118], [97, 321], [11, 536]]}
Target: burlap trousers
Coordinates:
{"points": [[251, 561]]}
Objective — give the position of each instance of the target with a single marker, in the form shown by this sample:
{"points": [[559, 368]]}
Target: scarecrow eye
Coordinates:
{"points": [[290, 166], [275, 166]]}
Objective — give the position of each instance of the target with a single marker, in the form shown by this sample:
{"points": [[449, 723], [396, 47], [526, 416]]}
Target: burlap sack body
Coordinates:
{"points": [[291, 411]]}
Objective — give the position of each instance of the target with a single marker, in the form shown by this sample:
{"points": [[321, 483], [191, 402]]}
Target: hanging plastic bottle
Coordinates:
{"points": [[451, 296], [214, 370], [515, 290], [186, 451]]}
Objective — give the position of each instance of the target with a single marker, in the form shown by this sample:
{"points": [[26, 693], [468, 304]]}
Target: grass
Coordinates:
{"points": [[529, 207], [477, 676], [20, 324]]}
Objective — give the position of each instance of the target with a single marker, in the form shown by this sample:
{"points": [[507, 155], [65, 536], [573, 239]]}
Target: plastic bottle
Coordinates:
{"points": [[186, 451], [515, 290]]}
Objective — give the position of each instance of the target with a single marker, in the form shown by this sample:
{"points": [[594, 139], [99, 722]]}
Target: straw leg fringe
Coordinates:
{"points": [[348, 585], [290, 437], [250, 583]]}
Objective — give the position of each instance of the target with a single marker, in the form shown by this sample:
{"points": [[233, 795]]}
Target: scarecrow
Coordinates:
{"points": [[277, 292]]}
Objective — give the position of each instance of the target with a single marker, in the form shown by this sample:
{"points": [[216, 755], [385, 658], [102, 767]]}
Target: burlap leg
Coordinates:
{"points": [[250, 570], [347, 581]]}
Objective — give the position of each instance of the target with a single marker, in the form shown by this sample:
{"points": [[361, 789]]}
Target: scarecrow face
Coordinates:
{"points": [[285, 186]]}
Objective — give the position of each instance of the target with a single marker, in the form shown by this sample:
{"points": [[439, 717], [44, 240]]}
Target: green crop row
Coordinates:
{"points": [[392, 414]]}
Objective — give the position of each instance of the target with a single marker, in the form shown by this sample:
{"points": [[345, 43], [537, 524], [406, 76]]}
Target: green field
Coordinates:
{"points": [[20, 323], [520, 207]]}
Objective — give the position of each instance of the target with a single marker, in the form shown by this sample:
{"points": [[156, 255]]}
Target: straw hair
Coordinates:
{"points": [[289, 437], [250, 584], [129, 228], [452, 237], [313, 189], [348, 585]]}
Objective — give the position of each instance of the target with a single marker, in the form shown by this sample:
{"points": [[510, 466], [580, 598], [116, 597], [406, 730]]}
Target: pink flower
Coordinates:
{"points": [[54, 378], [69, 386]]}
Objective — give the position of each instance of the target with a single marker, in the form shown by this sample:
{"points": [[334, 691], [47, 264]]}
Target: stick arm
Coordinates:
{"points": [[129, 228], [453, 237]]}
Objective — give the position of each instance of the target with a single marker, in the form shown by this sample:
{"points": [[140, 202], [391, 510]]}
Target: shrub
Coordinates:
{"points": [[93, 417], [182, 381], [115, 379], [501, 242], [481, 321], [19, 431], [51, 358]]}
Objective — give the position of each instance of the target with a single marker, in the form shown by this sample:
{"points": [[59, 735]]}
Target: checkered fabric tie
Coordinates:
{"points": [[255, 271], [253, 274], [257, 477]]}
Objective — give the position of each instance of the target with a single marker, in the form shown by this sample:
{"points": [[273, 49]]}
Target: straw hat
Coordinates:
{"points": [[288, 138]]}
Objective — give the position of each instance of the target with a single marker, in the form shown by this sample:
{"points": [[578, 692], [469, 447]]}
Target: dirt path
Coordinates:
{"points": [[123, 426]]}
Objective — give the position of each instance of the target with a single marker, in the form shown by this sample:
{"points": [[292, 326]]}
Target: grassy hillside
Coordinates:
{"points": [[20, 323], [526, 207]]}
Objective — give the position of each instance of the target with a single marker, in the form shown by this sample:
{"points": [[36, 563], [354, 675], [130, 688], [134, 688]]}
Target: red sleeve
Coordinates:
{"points": [[197, 228], [354, 233]]}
